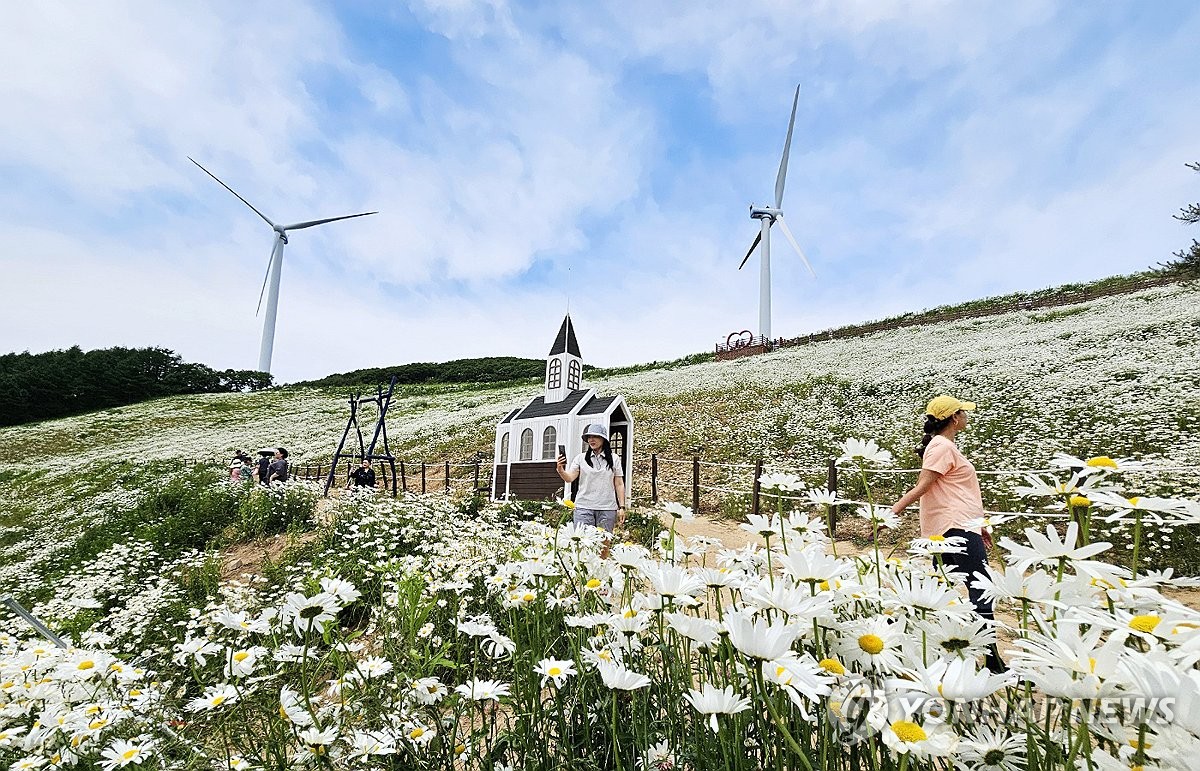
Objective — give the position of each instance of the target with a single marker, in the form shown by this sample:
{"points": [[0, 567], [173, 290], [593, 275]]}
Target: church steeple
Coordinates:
{"points": [[564, 364]]}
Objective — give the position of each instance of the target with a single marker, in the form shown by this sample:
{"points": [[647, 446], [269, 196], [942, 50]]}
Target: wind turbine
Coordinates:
{"points": [[766, 218], [274, 269]]}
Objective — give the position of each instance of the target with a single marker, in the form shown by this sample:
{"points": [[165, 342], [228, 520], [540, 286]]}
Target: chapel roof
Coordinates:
{"points": [[539, 409], [565, 341]]}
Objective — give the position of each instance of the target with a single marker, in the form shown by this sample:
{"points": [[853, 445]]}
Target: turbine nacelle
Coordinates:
{"points": [[764, 213]]}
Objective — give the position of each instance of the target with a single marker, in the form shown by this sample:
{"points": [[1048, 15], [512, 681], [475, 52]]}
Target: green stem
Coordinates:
{"points": [[1137, 539]]}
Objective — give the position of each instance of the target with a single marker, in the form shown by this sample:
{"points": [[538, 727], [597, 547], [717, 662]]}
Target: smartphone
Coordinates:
{"points": [[562, 450]]}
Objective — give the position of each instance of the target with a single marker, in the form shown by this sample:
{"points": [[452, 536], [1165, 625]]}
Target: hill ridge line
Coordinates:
{"points": [[1049, 298]]}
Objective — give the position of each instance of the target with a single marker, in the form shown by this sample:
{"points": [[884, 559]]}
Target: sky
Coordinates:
{"points": [[530, 159]]}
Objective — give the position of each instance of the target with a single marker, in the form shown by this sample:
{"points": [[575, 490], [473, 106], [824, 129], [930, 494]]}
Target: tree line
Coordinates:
{"points": [[492, 369], [40, 386]]}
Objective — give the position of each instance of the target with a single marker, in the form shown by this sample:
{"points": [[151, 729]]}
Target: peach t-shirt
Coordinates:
{"points": [[954, 498]]}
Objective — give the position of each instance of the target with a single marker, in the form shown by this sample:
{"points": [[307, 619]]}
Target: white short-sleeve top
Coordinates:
{"points": [[596, 489]]}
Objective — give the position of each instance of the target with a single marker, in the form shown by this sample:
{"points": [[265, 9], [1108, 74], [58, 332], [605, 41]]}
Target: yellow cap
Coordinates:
{"points": [[944, 406]]}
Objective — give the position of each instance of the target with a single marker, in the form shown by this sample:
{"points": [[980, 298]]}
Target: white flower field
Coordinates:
{"points": [[446, 632]]}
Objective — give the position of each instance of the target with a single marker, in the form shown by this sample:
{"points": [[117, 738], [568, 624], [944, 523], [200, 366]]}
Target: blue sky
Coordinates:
{"points": [[529, 157]]}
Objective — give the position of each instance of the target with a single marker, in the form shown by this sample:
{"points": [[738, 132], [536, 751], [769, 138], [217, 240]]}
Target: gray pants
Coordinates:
{"points": [[606, 519]]}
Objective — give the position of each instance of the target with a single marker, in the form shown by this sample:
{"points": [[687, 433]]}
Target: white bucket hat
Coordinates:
{"points": [[595, 429]]}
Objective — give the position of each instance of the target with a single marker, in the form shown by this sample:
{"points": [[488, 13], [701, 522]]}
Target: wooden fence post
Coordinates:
{"points": [[476, 474], [654, 478], [831, 486], [403, 478], [695, 484], [447, 476], [754, 491], [422, 477]]}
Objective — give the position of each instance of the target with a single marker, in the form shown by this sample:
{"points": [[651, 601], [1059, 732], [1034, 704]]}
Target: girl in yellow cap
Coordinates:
{"points": [[948, 490]]}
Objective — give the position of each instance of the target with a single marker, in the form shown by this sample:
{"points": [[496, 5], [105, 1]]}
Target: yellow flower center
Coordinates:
{"points": [[593, 583], [241, 656], [1102, 461], [824, 586], [554, 671], [218, 701], [135, 693], [908, 731], [832, 665], [1080, 502], [1144, 623], [130, 754], [87, 664], [416, 733], [872, 644], [1092, 664], [460, 749], [527, 597], [937, 537], [569, 504]]}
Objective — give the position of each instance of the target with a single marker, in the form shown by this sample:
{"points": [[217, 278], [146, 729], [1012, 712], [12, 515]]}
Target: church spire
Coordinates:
{"points": [[565, 342], [564, 364]]}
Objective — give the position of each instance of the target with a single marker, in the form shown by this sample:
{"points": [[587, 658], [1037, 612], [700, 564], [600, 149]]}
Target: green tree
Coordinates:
{"points": [[1187, 261]]}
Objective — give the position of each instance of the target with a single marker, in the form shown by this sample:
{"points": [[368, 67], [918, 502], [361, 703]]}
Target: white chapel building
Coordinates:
{"points": [[527, 439]]}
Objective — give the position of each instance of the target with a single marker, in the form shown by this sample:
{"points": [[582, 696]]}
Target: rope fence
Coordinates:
{"points": [[718, 486], [707, 485]]}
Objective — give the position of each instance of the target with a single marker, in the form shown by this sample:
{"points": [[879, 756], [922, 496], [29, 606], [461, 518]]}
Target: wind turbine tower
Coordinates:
{"points": [[768, 216], [274, 269]]}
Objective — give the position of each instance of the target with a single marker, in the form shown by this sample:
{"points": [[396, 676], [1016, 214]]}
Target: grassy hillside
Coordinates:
{"points": [[1115, 376]]}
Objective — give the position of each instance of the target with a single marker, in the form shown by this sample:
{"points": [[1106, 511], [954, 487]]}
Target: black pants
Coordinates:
{"points": [[970, 562]]}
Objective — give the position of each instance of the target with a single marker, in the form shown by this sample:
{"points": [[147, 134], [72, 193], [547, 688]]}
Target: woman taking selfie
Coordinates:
{"points": [[600, 499], [948, 490]]}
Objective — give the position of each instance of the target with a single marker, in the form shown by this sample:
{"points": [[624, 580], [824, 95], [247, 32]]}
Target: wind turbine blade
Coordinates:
{"points": [[313, 223], [230, 189], [750, 251], [274, 253], [787, 146], [792, 240]]}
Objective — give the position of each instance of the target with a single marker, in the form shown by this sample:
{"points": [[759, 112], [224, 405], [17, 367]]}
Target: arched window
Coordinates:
{"points": [[549, 436], [527, 444], [504, 448], [554, 373], [573, 375], [616, 442]]}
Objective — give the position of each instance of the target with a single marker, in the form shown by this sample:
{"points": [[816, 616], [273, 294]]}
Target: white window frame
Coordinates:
{"points": [[527, 446]]}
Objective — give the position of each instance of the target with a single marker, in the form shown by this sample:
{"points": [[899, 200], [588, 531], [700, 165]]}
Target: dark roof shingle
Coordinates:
{"points": [[565, 341], [597, 405], [539, 409]]}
